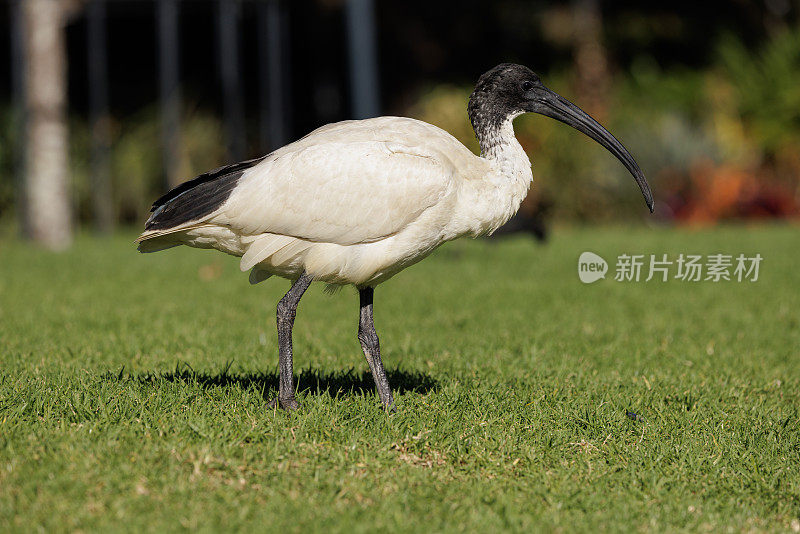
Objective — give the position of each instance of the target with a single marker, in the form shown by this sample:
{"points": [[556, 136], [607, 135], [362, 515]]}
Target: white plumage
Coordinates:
{"points": [[357, 201]]}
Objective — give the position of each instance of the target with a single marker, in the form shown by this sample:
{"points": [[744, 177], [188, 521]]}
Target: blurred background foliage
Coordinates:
{"points": [[705, 95]]}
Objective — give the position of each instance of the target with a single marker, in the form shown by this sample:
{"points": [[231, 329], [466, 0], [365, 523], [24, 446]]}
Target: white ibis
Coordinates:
{"points": [[356, 202]]}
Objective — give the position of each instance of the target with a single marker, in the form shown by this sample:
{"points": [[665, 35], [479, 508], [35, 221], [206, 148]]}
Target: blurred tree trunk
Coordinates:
{"points": [[591, 61], [47, 191]]}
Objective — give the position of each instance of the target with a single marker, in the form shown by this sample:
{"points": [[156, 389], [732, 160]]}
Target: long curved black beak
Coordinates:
{"points": [[553, 105]]}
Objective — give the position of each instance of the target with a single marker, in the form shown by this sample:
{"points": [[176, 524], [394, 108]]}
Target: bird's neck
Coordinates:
{"points": [[495, 133], [499, 145], [494, 198], [494, 128], [492, 122]]}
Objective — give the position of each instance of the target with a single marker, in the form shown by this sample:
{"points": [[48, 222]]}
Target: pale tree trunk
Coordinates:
{"points": [[47, 188]]}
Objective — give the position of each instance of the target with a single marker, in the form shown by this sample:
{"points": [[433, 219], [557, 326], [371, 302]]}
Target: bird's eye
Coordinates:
{"points": [[527, 86]]}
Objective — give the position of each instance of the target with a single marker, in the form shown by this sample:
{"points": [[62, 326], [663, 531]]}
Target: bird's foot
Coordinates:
{"points": [[289, 404]]}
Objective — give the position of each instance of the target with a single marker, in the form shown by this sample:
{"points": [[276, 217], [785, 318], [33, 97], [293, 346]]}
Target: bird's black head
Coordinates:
{"points": [[509, 90], [505, 91]]}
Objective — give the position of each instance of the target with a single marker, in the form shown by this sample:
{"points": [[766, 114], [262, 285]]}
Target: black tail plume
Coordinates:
{"points": [[198, 197]]}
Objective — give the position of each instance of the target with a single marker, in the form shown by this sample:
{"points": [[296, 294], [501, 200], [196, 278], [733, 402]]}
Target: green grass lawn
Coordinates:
{"points": [[134, 390]]}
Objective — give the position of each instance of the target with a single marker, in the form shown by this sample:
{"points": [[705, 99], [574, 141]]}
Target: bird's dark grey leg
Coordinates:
{"points": [[372, 350], [287, 308]]}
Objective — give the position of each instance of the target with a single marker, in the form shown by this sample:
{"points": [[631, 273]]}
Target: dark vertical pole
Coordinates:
{"points": [[18, 105], [364, 89], [274, 75], [231, 77], [102, 203], [169, 77]]}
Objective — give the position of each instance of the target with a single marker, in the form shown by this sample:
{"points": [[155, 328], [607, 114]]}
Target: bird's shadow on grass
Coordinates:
{"points": [[309, 381]]}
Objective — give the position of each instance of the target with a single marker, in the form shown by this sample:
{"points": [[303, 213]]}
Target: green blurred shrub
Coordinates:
{"points": [[765, 88], [136, 160]]}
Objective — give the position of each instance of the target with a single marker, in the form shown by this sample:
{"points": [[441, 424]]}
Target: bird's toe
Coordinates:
{"points": [[289, 404]]}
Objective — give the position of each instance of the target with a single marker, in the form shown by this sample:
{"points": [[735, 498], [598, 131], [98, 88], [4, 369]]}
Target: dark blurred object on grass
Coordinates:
{"points": [[532, 218]]}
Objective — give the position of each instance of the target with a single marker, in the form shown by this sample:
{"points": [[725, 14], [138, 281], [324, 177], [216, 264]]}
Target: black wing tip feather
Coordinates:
{"points": [[209, 176], [197, 197]]}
